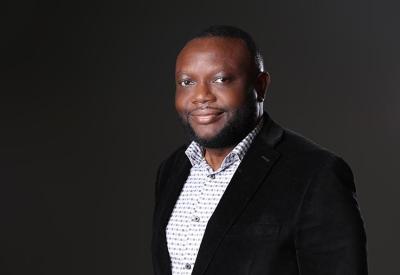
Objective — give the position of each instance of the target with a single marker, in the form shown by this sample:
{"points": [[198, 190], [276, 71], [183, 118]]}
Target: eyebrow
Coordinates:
{"points": [[219, 70], [180, 72]]}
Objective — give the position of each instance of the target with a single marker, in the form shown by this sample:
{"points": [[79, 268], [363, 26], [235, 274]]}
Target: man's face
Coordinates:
{"points": [[215, 97]]}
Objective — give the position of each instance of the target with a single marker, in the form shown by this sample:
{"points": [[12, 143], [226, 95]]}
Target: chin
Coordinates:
{"points": [[205, 139], [208, 134], [216, 139]]}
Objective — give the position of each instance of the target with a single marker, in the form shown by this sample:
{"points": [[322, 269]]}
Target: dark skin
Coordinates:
{"points": [[212, 77]]}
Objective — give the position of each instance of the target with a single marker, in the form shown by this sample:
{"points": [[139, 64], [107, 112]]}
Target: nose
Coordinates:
{"points": [[203, 94]]}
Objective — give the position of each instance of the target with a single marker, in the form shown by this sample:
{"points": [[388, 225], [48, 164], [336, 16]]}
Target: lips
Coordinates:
{"points": [[205, 116]]}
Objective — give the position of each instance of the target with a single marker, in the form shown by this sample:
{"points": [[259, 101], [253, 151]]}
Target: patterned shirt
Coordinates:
{"points": [[197, 201]]}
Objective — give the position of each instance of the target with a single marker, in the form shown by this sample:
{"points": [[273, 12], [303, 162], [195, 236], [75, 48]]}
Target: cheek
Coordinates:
{"points": [[180, 102], [232, 99]]}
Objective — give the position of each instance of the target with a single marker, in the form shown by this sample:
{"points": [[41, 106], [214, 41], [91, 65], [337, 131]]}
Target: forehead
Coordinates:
{"points": [[214, 51]]}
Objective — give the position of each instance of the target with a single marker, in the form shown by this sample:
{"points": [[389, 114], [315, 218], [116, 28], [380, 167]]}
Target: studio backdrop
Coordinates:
{"points": [[87, 115]]}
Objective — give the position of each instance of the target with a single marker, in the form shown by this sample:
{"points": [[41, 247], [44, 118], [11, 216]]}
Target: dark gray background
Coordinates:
{"points": [[87, 115]]}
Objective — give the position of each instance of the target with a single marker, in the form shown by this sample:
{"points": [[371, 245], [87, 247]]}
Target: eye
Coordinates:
{"points": [[185, 82], [220, 79]]}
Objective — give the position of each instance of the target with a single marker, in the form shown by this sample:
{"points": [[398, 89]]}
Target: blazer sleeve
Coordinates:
{"points": [[330, 235]]}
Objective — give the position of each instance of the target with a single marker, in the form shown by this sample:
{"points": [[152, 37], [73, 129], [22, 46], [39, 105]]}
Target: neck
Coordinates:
{"points": [[215, 156]]}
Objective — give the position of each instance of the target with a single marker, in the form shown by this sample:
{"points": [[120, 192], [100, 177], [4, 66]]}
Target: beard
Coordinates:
{"points": [[236, 129]]}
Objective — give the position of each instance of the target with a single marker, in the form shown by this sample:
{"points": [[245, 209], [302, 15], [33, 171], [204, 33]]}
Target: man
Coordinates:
{"points": [[248, 196]]}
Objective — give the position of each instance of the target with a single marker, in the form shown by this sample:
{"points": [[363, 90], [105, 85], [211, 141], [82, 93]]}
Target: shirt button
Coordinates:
{"points": [[196, 219], [188, 266], [212, 176]]}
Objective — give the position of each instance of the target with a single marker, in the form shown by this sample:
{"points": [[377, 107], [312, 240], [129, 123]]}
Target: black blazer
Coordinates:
{"points": [[290, 208]]}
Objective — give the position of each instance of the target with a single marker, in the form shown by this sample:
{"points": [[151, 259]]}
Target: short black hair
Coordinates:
{"points": [[235, 32]]}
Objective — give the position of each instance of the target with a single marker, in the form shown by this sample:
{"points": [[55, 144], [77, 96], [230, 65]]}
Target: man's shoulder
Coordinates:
{"points": [[175, 157], [176, 154], [291, 144], [295, 143], [169, 164], [302, 152]]}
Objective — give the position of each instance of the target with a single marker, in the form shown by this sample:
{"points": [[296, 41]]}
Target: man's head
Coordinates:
{"points": [[220, 86]]}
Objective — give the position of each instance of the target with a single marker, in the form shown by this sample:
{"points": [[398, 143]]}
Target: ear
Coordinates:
{"points": [[262, 82]]}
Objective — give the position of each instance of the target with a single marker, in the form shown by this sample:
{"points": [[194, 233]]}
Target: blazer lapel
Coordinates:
{"points": [[250, 174], [175, 184]]}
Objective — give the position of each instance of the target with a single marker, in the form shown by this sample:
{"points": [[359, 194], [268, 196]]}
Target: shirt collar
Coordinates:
{"points": [[195, 152]]}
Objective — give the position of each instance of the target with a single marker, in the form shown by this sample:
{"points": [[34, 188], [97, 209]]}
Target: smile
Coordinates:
{"points": [[205, 116]]}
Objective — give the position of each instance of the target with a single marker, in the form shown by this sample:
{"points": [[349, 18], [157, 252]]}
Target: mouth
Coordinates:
{"points": [[206, 116]]}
